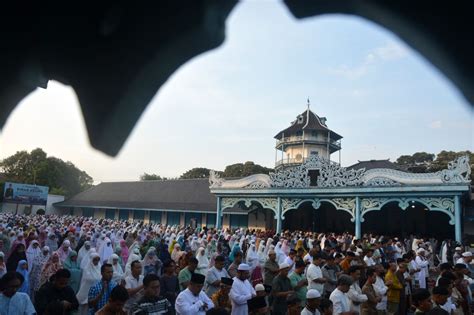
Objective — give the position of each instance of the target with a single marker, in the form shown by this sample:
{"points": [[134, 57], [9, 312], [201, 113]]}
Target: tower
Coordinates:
{"points": [[308, 134]]}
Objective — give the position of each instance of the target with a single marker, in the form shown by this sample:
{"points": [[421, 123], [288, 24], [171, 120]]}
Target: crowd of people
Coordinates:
{"points": [[76, 265]]}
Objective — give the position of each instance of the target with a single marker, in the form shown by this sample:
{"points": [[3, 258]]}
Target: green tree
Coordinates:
{"points": [[37, 168], [245, 169], [422, 162], [416, 163], [197, 172], [146, 176], [444, 157]]}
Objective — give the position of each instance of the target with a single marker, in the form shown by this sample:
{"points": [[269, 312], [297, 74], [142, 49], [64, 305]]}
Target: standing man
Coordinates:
{"points": [[380, 290], [369, 261], [241, 291], [193, 301], [281, 289], [115, 305], [99, 293], [299, 282], [355, 294], [169, 285], [339, 299], [270, 269], [57, 290], [185, 275], [331, 272], [370, 306], [134, 284], [422, 264], [11, 301], [394, 289], [315, 275], [221, 298], [214, 275], [313, 299], [152, 302]]}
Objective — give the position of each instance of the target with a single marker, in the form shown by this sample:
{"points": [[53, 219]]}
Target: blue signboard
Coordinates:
{"points": [[25, 194]]}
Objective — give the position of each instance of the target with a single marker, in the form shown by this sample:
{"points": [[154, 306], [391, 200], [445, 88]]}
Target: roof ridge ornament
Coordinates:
{"points": [[331, 174]]}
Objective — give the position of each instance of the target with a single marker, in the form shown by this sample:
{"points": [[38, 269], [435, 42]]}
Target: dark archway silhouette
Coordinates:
{"points": [[325, 219], [416, 219]]}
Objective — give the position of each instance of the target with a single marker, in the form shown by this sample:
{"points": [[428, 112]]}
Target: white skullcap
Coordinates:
{"points": [[284, 265], [313, 294], [259, 287], [243, 267], [467, 254], [458, 248]]}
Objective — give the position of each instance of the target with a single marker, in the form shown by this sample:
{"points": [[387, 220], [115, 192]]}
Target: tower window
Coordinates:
{"points": [[314, 152], [300, 119], [299, 133], [314, 133]]}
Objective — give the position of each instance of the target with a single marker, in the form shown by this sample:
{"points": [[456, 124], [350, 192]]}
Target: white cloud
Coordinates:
{"points": [[390, 51], [436, 124]]}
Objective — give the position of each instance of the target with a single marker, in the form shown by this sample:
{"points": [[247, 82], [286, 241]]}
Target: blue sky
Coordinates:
{"points": [[226, 105]]}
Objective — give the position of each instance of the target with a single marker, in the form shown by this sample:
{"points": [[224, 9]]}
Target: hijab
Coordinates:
{"points": [[118, 271], [25, 287], [50, 268], [105, 250], [32, 253], [69, 264], [124, 253]]}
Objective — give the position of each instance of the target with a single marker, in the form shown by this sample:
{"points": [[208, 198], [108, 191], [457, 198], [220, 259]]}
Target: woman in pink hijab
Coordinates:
{"points": [[64, 250], [124, 252]]}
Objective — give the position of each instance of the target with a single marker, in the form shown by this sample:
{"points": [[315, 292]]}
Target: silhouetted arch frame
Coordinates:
{"points": [[145, 63]]}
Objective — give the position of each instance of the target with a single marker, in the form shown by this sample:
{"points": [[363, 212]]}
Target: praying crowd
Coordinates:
{"points": [[53, 264]]}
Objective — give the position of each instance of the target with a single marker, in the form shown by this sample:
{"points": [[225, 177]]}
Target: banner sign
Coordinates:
{"points": [[25, 194]]}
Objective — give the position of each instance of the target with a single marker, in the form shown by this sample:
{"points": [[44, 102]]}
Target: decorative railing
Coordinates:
{"points": [[314, 140]]}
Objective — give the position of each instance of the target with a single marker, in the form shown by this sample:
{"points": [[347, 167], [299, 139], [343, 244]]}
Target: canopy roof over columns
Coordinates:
{"points": [[356, 192]]}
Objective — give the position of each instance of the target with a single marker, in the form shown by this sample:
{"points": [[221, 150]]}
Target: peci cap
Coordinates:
{"points": [[243, 267], [197, 278], [227, 281], [313, 294]]}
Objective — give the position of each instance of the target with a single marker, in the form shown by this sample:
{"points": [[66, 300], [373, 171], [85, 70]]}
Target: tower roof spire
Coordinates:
{"points": [[308, 103]]}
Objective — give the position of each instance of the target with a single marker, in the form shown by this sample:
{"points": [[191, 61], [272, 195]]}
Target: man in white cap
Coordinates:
{"points": [[422, 264], [457, 254], [241, 291], [313, 298], [466, 259], [281, 289]]}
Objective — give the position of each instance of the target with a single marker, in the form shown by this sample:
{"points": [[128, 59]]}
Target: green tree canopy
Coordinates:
{"points": [[36, 167], [422, 162], [146, 176], [245, 169], [197, 172]]}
